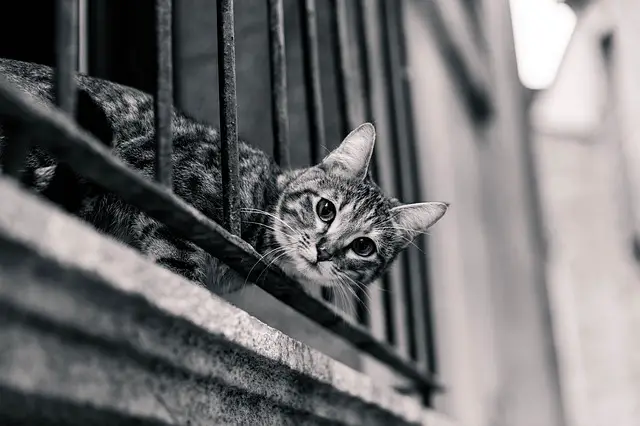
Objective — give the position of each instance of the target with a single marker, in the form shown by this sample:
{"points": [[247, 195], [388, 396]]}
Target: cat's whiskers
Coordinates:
{"points": [[344, 286], [260, 224], [339, 273], [250, 210], [341, 295], [413, 231], [408, 240], [355, 300], [346, 289], [273, 260], [358, 285], [355, 295], [270, 252], [397, 227], [365, 290], [273, 228]]}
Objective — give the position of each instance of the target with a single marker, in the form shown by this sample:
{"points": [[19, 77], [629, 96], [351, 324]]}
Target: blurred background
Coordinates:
{"points": [[520, 113]]}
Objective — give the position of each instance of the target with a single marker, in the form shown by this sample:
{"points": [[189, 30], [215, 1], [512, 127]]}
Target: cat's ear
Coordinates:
{"points": [[351, 159], [415, 219], [91, 117]]}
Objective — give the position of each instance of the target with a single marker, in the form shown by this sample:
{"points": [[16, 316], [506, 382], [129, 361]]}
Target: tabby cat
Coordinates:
{"points": [[324, 225]]}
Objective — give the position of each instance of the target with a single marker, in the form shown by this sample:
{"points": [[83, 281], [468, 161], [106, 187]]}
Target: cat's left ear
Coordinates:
{"points": [[415, 219], [351, 159]]}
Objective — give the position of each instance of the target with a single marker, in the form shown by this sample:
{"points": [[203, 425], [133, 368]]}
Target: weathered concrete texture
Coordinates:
{"points": [[91, 333]]}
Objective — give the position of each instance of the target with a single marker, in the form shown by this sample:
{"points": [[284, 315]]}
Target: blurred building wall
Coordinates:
{"points": [[586, 141], [494, 335]]}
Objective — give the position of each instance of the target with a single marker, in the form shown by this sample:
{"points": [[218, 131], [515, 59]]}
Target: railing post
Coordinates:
{"points": [[228, 115], [311, 67], [280, 116], [164, 93]]}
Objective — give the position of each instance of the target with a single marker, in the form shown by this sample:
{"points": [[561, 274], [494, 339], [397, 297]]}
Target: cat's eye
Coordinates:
{"points": [[326, 210], [363, 246]]}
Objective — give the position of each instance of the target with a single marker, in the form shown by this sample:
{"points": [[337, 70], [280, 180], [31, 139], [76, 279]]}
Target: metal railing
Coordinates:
{"points": [[56, 131]]}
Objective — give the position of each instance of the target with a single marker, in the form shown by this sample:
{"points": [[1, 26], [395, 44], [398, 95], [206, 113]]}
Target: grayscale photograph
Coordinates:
{"points": [[320, 212]]}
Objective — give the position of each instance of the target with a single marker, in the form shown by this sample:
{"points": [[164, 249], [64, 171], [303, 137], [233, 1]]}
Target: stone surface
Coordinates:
{"points": [[88, 325]]}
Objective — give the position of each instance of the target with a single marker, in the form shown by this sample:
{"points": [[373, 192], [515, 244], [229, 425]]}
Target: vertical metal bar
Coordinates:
{"points": [[377, 317], [364, 59], [421, 288], [399, 330], [339, 40], [279, 112], [365, 66], [340, 37], [99, 16], [311, 67], [410, 260], [365, 63], [327, 294], [392, 334], [163, 104], [83, 36], [64, 188], [339, 27], [415, 274], [228, 114], [347, 117], [66, 55], [362, 306], [390, 296]]}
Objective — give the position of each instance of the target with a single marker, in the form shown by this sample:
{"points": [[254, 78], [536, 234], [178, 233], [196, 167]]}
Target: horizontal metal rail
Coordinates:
{"points": [[57, 133]]}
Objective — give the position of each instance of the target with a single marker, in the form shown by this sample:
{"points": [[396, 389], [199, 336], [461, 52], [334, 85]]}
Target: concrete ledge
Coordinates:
{"points": [[92, 333]]}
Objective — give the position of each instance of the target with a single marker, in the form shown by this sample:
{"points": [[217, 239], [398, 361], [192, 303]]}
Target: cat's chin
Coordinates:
{"points": [[311, 283], [307, 273]]}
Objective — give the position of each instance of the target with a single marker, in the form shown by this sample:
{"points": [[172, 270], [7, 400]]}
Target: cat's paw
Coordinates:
{"points": [[221, 279]]}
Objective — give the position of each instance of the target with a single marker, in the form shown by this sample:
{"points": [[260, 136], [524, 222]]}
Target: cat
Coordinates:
{"points": [[328, 224]]}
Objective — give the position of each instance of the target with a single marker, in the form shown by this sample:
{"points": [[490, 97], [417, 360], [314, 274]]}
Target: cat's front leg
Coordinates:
{"points": [[187, 259]]}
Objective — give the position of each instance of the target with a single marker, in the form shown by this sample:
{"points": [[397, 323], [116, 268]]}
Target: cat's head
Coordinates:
{"points": [[334, 227]]}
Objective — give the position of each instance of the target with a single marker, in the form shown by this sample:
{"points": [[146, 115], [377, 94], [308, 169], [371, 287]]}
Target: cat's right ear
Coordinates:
{"points": [[351, 159], [415, 219], [91, 117]]}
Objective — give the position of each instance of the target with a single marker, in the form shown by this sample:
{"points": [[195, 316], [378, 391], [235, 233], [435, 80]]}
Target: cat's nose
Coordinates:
{"points": [[323, 253]]}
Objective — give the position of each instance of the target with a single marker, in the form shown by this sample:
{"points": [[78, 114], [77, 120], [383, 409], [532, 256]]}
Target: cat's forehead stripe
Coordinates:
{"points": [[302, 192], [307, 203]]}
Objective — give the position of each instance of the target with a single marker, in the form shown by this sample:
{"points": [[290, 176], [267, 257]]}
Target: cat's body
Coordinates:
{"points": [[280, 210], [196, 169]]}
